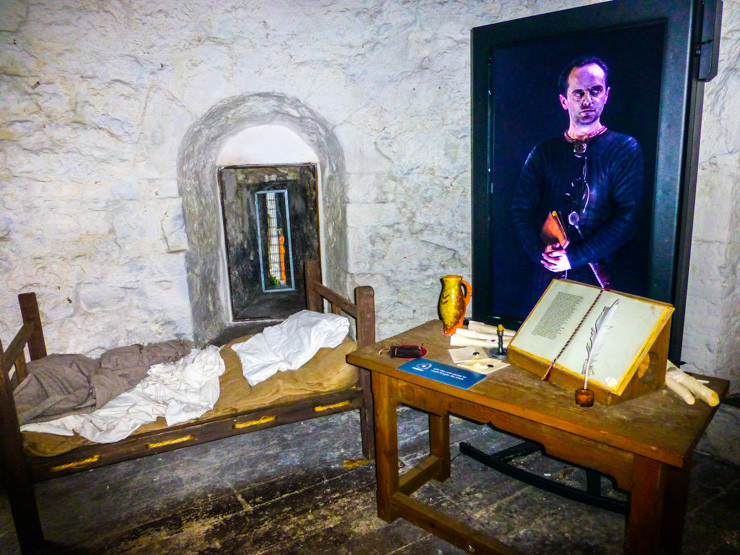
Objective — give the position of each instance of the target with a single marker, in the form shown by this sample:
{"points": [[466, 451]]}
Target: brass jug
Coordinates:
{"points": [[453, 302]]}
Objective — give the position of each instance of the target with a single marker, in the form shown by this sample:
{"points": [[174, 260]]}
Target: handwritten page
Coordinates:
{"points": [[554, 319], [568, 306]]}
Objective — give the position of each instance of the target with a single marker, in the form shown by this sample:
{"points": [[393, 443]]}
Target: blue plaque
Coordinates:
{"points": [[451, 375]]}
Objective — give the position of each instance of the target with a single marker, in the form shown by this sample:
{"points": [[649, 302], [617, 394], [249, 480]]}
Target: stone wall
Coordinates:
{"points": [[712, 328], [99, 98]]}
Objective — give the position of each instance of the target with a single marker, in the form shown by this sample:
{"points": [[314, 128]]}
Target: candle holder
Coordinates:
{"points": [[584, 397]]}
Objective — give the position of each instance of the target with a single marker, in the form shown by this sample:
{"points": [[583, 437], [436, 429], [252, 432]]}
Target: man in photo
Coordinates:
{"points": [[578, 195]]}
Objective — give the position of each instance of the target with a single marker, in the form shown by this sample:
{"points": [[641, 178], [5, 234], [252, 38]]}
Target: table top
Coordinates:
{"points": [[658, 425]]}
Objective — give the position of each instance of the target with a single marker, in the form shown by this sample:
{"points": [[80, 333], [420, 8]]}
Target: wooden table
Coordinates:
{"points": [[645, 444]]}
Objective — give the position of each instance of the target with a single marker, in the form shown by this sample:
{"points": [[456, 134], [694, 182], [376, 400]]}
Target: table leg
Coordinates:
{"points": [[439, 442], [385, 401], [674, 506], [647, 496]]}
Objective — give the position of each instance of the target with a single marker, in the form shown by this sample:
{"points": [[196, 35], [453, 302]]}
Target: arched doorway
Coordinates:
{"points": [[198, 164]]}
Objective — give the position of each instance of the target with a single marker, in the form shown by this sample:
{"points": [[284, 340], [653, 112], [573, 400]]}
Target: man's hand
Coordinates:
{"points": [[555, 259]]}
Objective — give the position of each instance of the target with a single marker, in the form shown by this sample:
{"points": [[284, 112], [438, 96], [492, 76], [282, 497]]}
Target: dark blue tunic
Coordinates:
{"points": [[614, 173]]}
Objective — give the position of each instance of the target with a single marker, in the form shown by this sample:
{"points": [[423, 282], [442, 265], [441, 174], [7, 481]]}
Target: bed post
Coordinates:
{"points": [[312, 274], [13, 467], [363, 312], [365, 301], [30, 313]]}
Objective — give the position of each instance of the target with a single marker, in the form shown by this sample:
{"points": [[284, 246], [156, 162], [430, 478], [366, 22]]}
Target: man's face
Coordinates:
{"points": [[587, 94]]}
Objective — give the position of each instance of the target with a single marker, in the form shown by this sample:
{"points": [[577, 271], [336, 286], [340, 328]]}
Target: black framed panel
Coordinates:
{"points": [[655, 97]]}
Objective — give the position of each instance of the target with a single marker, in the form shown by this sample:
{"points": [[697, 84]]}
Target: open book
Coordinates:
{"points": [[560, 329]]}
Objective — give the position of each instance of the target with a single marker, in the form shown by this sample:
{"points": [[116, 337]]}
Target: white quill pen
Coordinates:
{"points": [[599, 332]]}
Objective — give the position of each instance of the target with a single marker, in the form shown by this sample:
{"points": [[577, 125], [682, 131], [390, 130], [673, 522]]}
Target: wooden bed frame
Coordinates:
{"points": [[20, 470]]}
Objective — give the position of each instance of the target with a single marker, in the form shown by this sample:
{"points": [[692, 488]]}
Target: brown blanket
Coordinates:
{"points": [[59, 385]]}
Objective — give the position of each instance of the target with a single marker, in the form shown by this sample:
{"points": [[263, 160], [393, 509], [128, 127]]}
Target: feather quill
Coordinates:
{"points": [[599, 332]]}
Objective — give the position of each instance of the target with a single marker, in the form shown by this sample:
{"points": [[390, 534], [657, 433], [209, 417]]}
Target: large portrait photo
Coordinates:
{"points": [[576, 168], [579, 156]]}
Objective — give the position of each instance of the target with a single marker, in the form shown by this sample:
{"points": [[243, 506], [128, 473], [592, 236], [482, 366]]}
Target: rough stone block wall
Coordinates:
{"points": [[712, 326], [98, 97]]}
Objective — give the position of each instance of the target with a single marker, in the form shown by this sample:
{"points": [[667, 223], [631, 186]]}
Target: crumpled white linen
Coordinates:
{"points": [[179, 391], [290, 344]]}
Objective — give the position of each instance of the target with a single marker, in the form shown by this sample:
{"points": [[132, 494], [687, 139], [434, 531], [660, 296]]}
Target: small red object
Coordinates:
{"points": [[407, 351]]}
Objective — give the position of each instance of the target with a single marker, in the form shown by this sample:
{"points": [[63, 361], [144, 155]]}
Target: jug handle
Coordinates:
{"points": [[468, 291]]}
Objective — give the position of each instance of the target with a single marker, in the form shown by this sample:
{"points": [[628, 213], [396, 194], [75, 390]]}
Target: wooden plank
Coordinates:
{"points": [[428, 469], [365, 301], [313, 275], [16, 348], [30, 313], [559, 443], [21, 369], [597, 456], [170, 439], [336, 300], [363, 310], [448, 528], [386, 445], [439, 442], [367, 420], [676, 496], [646, 505], [15, 474]]}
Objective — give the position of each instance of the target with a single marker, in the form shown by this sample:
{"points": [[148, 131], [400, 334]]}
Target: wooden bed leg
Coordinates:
{"points": [[25, 513], [365, 302], [15, 473], [363, 311], [367, 427]]}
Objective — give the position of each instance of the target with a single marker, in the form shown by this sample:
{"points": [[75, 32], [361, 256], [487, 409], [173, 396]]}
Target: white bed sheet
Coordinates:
{"points": [[290, 344], [178, 391]]}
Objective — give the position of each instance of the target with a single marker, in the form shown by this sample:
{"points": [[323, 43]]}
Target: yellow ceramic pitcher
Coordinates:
{"points": [[453, 302]]}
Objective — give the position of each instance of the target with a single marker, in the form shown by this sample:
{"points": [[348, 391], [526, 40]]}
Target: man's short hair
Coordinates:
{"points": [[580, 61]]}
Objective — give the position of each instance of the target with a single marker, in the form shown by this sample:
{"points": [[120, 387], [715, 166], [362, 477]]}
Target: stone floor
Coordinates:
{"points": [[288, 490]]}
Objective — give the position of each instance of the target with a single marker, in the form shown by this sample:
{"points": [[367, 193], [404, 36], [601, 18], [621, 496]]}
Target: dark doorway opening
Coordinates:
{"points": [[271, 226]]}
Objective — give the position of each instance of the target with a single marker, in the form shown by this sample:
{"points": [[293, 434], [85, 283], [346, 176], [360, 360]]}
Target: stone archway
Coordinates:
{"points": [[198, 187]]}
